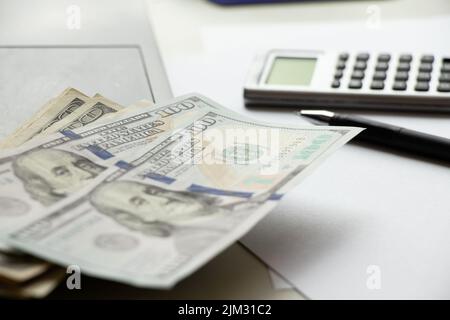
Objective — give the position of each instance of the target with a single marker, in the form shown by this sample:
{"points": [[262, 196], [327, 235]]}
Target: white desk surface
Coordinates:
{"points": [[208, 48]]}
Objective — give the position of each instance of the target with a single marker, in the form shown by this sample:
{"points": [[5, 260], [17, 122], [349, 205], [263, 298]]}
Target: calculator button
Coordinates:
{"points": [[360, 65], [428, 58], [422, 86], [399, 85], [444, 77], [340, 65], [425, 67], [401, 76], [335, 84], [424, 76], [364, 56], [384, 57], [379, 75], [355, 84], [445, 67], [338, 74], [358, 74], [443, 87], [403, 66], [381, 66], [343, 56], [405, 58], [377, 85]]}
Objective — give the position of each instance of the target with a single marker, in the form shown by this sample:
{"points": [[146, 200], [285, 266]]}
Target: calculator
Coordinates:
{"points": [[387, 81]]}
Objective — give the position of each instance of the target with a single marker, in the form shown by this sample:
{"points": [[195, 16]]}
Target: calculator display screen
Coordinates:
{"points": [[291, 71]]}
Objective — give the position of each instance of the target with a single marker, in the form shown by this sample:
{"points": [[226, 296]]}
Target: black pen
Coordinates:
{"points": [[387, 135]]}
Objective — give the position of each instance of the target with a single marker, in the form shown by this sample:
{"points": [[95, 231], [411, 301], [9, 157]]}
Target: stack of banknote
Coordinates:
{"points": [[144, 194]]}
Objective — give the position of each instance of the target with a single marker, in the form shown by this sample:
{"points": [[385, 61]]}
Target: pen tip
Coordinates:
{"points": [[324, 113], [316, 115]]}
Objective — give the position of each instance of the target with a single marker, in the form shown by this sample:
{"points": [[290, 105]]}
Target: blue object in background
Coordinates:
{"points": [[248, 1]]}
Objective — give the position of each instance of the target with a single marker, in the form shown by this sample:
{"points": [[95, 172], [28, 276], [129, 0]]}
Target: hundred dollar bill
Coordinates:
{"points": [[19, 268], [16, 268], [37, 287], [90, 112], [31, 267], [55, 110], [179, 201], [143, 103], [44, 171]]}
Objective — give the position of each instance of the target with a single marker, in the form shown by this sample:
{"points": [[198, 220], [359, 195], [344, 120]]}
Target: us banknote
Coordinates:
{"points": [[44, 171], [162, 211], [97, 108], [21, 274], [37, 287], [16, 268], [52, 112]]}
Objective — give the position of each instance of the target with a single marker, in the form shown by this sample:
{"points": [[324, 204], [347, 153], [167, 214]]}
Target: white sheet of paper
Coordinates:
{"points": [[376, 228], [363, 208], [278, 282]]}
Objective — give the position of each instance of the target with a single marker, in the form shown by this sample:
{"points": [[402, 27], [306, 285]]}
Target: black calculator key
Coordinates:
{"points": [[364, 56], [444, 77], [422, 86], [405, 58], [445, 67], [428, 58], [377, 85], [379, 75], [425, 67], [401, 76], [384, 57], [335, 84], [343, 56], [338, 74], [403, 66], [399, 85], [360, 65], [424, 76], [382, 66], [355, 84], [443, 87], [340, 65], [358, 74]]}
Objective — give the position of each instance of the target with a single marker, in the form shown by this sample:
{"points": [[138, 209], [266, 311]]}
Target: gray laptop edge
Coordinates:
{"points": [[96, 46]]}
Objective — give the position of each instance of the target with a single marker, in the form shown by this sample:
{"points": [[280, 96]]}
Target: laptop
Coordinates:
{"points": [[96, 46]]}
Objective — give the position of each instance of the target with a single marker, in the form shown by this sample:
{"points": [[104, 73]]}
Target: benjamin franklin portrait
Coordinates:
{"points": [[149, 209], [49, 175]]}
